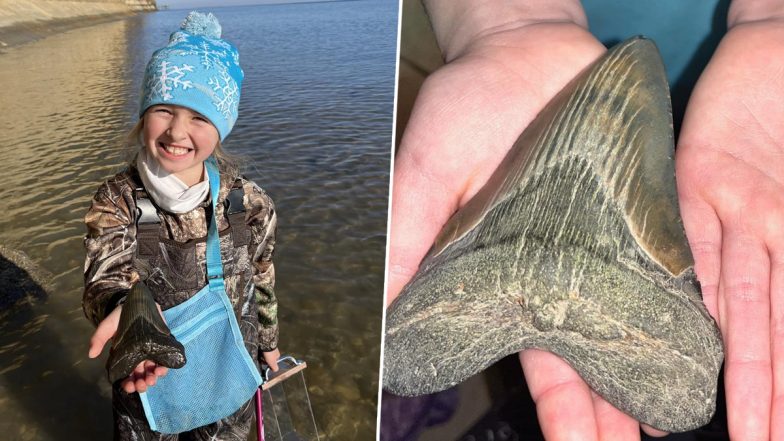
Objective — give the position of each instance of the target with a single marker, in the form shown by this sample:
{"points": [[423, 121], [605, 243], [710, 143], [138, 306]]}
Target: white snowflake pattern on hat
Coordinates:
{"points": [[170, 77], [226, 93], [197, 70], [209, 57]]}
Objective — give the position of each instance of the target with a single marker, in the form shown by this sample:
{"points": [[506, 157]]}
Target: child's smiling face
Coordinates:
{"points": [[179, 139]]}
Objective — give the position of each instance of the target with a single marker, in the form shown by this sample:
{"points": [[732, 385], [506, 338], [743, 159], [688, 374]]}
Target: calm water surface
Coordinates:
{"points": [[314, 129]]}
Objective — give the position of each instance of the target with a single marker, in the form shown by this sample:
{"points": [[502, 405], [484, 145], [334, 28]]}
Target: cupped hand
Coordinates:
{"points": [[730, 173], [145, 374], [466, 117]]}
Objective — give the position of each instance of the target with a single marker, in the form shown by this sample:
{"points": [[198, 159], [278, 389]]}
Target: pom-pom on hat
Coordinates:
{"points": [[198, 70]]}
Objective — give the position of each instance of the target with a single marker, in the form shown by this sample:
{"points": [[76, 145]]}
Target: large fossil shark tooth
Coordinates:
{"points": [[576, 246], [142, 335]]}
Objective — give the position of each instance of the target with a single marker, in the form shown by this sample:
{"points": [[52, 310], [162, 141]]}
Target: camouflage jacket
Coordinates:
{"points": [[112, 265]]}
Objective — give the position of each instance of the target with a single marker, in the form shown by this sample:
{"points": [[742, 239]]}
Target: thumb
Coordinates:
{"points": [[105, 331], [160, 311], [272, 359]]}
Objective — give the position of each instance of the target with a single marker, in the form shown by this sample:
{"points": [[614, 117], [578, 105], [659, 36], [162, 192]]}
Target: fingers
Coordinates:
{"points": [[161, 371], [777, 343], [160, 311], [653, 432], [744, 309], [134, 383], [140, 374], [150, 378], [420, 206], [703, 230], [612, 424], [271, 358], [105, 331], [567, 409], [564, 405], [144, 375]]}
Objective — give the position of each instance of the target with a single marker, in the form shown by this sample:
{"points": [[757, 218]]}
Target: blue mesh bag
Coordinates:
{"points": [[219, 376]]}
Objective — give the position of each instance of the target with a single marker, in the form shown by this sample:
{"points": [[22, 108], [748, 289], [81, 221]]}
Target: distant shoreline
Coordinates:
{"points": [[276, 3], [19, 33], [25, 32], [29, 20]]}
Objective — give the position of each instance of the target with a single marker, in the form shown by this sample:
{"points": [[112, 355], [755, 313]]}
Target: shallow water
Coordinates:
{"points": [[314, 130]]}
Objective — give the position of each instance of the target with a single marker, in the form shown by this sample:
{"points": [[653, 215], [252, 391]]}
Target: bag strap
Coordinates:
{"points": [[148, 226], [235, 214], [214, 264]]}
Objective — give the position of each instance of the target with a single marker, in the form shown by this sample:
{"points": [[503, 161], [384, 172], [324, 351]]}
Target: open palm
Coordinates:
{"points": [[730, 172]]}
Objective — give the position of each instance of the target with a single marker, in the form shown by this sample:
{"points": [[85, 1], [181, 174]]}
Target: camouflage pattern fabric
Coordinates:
{"points": [[178, 271]]}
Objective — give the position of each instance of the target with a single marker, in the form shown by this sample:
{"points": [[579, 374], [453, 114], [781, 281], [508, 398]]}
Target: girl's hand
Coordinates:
{"points": [[144, 375], [271, 358]]}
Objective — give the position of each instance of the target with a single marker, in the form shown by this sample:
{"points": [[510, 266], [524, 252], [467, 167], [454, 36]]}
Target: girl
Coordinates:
{"points": [[162, 222]]}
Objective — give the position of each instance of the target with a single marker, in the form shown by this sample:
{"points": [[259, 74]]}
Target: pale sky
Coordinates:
{"points": [[184, 4]]}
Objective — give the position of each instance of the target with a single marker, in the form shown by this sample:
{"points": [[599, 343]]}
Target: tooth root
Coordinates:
{"points": [[575, 245]]}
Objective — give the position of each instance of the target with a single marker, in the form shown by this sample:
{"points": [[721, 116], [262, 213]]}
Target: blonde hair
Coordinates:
{"points": [[133, 143]]}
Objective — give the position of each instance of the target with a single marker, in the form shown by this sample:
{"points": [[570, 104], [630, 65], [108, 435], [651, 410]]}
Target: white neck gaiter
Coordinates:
{"points": [[167, 190]]}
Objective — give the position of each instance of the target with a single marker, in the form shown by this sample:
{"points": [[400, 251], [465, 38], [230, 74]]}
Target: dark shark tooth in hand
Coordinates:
{"points": [[142, 335], [575, 246]]}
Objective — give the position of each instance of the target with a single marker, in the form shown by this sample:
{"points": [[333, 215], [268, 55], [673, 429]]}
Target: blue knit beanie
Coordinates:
{"points": [[196, 70]]}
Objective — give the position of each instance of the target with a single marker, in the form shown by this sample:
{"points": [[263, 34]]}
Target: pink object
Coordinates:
{"points": [[259, 417]]}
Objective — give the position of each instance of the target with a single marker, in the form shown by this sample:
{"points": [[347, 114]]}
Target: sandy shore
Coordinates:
{"points": [[25, 21]]}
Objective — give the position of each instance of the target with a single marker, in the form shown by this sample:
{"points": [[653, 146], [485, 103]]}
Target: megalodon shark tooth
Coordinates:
{"points": [[575, 246], [142, 335]]}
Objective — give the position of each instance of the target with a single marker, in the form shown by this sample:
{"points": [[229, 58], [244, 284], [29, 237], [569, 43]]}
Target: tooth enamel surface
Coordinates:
{"points": [[176, 150]]}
